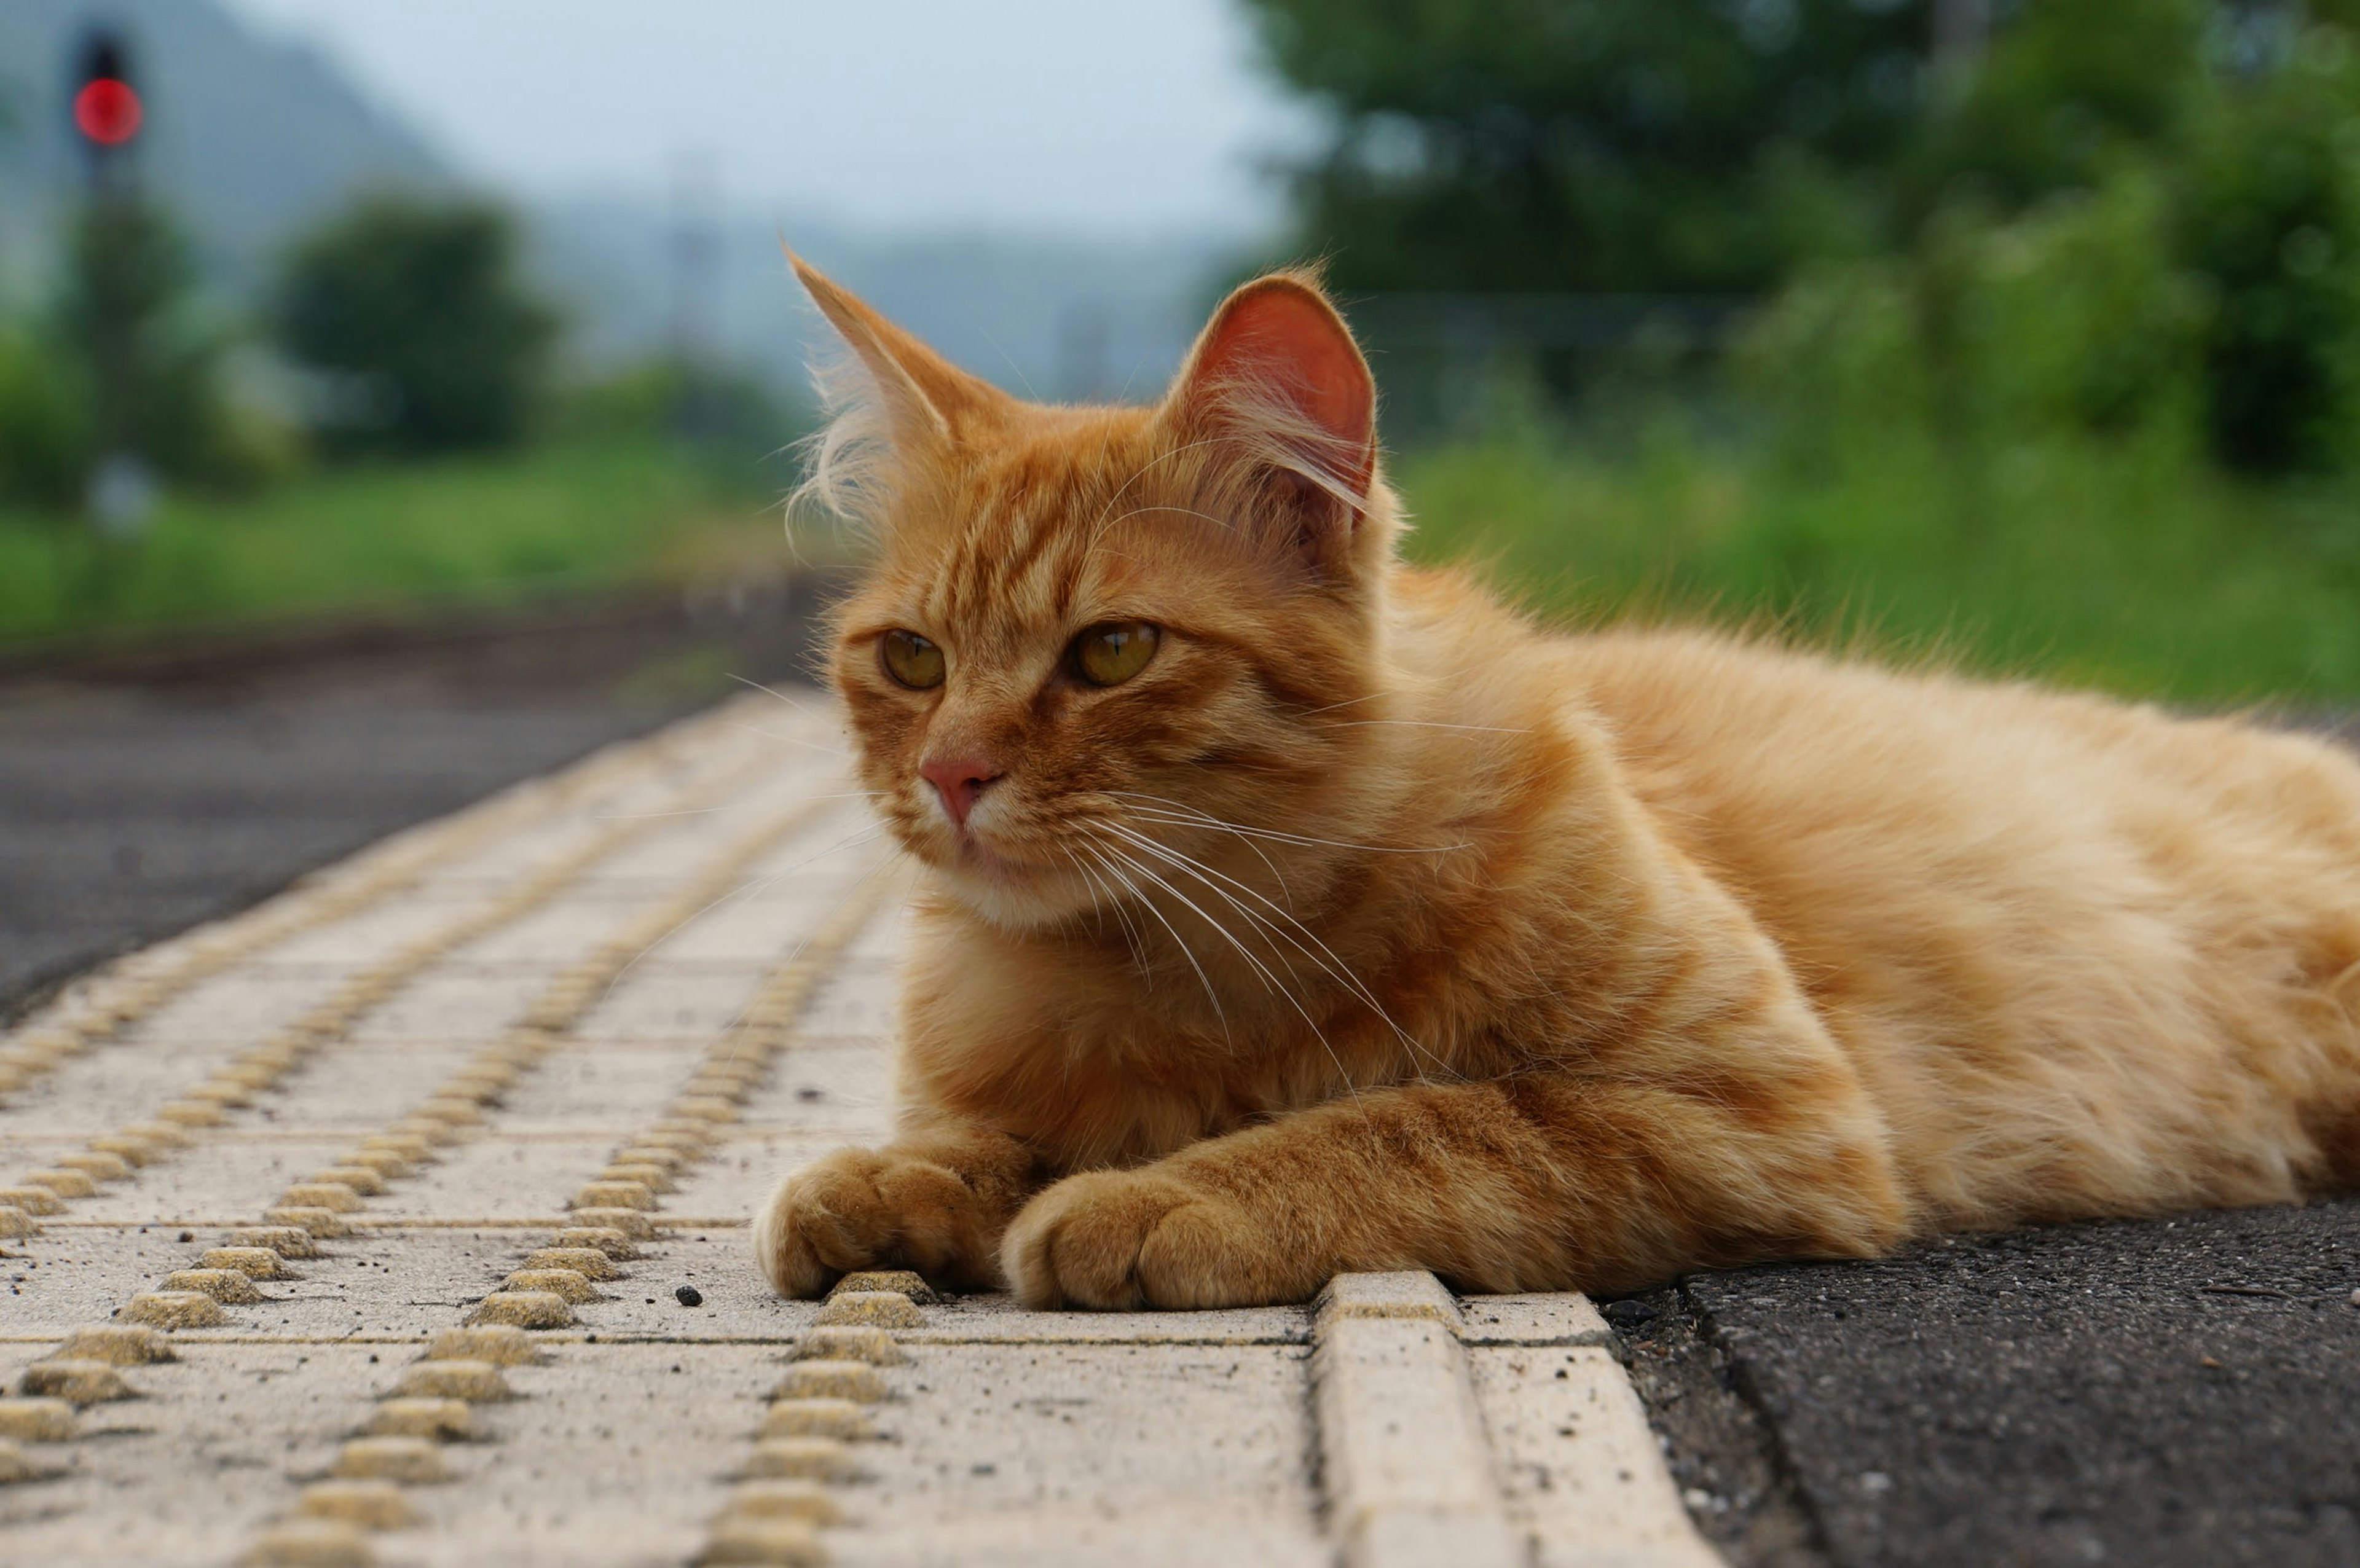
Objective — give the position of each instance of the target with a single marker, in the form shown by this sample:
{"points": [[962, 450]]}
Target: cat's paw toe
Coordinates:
{"points": [[1118, 1239], [862, 1208]]}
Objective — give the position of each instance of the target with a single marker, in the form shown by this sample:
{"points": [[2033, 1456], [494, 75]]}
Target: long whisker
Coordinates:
{"points": [[792, 740], [1268, 979], [1325, 958], [1201, 819], [745, 889], [772, 690], [1188, 953]]}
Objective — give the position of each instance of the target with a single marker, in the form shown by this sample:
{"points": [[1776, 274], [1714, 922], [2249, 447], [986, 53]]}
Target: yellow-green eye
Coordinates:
{"points": [[1113, 653], [911, 659]]}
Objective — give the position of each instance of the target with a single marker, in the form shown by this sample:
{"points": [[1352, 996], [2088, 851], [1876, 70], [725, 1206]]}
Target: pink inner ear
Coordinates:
{"points": [[1280, 336]]}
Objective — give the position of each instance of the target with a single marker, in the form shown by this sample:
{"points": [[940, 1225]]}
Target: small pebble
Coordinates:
{"points": [[690, 1296]]}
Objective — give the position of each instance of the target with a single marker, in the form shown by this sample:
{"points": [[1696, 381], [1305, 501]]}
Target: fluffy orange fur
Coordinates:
{"points": [[1369, 926]]}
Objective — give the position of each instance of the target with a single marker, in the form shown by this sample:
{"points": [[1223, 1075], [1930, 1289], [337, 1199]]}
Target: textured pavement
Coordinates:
{"points": [[403, 1218]]}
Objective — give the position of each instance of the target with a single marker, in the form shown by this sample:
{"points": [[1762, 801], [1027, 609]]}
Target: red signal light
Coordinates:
{"points": [[107, 111]]}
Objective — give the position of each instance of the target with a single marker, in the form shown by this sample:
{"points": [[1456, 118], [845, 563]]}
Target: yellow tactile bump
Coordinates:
{"points": [[715, 1086], [457, 1380], [98, 1164], [162, 1134], [361, 1179], [408, 1146], [438, 1420], [832, 1380], [191, 1114], [654, 1178], [325, 1224], [334, 1196], [634, 1224], [254, 1262], [412, 1461], [780, 1542], [842, 1420], [366, 1505], [498, 1344], [173, 1309], [453, 1110], [704, 1108], [905, 1281], [692, 1139], [599, 1238], [657, 1155], [130, 1147], [16, 1465], [117, 1344], [806, 1458], [220, 1092], [228, 1285], [14, 1222], [523, 1309], [388, 1164], [31, 1200], [848, 1342], [286, 1240], [40, 1419], [587, 1261], [877, 1308], [83, 1382], [64, 1184], [309, 1543], [615, 1195], [428, 1130], [568, 1284], [805, 1500]]}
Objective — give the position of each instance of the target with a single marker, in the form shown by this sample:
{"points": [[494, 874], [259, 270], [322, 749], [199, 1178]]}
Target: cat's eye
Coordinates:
{"points": [[1111, 653], [911, 659]]}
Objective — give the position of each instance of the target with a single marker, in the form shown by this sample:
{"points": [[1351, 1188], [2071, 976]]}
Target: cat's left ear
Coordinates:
{"points": [[1276, 374], [927, 399]]}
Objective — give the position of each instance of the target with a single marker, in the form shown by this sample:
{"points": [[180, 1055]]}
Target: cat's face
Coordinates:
{"points": [[1095, 644]]}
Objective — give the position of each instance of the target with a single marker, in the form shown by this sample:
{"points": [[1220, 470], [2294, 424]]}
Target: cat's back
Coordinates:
{"points": [[2112, 952]]}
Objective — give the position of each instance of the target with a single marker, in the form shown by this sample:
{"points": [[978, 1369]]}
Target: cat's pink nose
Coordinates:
{"points": [[960, 782]]}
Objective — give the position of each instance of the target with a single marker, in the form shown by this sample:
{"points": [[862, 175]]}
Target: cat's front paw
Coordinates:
{"points": [[1119, 1240], [871, 1208]]}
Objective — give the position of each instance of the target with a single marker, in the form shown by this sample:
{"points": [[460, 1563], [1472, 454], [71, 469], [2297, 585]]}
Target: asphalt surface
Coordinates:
{"points": [[2171, 1391], [141, 793]]}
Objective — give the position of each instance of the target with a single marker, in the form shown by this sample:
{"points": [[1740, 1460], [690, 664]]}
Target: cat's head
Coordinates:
{"points": [[1100, 647]]}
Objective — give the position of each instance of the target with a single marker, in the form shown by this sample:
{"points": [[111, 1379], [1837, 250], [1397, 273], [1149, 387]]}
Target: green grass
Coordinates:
{"points": [[2127, 567], [549, 522]]}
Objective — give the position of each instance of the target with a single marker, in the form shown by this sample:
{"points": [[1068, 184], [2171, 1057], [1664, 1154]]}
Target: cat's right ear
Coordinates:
{"points": [[927, 400]]}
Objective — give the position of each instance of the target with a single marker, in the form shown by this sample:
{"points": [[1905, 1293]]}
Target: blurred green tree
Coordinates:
{"points": [[1608, 145], [126, 366], [415, 312]]}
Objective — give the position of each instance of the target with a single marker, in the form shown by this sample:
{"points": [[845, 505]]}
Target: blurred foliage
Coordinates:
{"points": [[123, 362], [668, 396], [2100, 209], [421, 332], [2116, 564], [1628, 145], [559, 519]]}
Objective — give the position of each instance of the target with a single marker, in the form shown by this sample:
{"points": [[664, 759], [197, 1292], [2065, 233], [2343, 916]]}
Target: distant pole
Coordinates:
{"points": [[695, 254], [1961, 33], [103, 100]]}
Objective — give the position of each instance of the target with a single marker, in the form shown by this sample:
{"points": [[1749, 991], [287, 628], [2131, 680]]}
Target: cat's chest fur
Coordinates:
{"points": [[1107, 1069]]}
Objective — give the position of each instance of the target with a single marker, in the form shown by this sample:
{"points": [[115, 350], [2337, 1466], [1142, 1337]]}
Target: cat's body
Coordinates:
{"points": [[1365, 926]]}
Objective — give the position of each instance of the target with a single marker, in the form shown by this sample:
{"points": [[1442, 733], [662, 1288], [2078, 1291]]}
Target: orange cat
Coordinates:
{"points": [[1289, 910]]}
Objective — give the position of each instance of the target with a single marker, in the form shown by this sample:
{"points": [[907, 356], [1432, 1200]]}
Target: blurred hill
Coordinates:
{"points": [[249, 138], [1044, 316]]}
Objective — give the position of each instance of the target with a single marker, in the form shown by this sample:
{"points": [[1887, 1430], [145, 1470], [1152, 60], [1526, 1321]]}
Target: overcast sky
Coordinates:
{"points": [[1111, 117]]}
